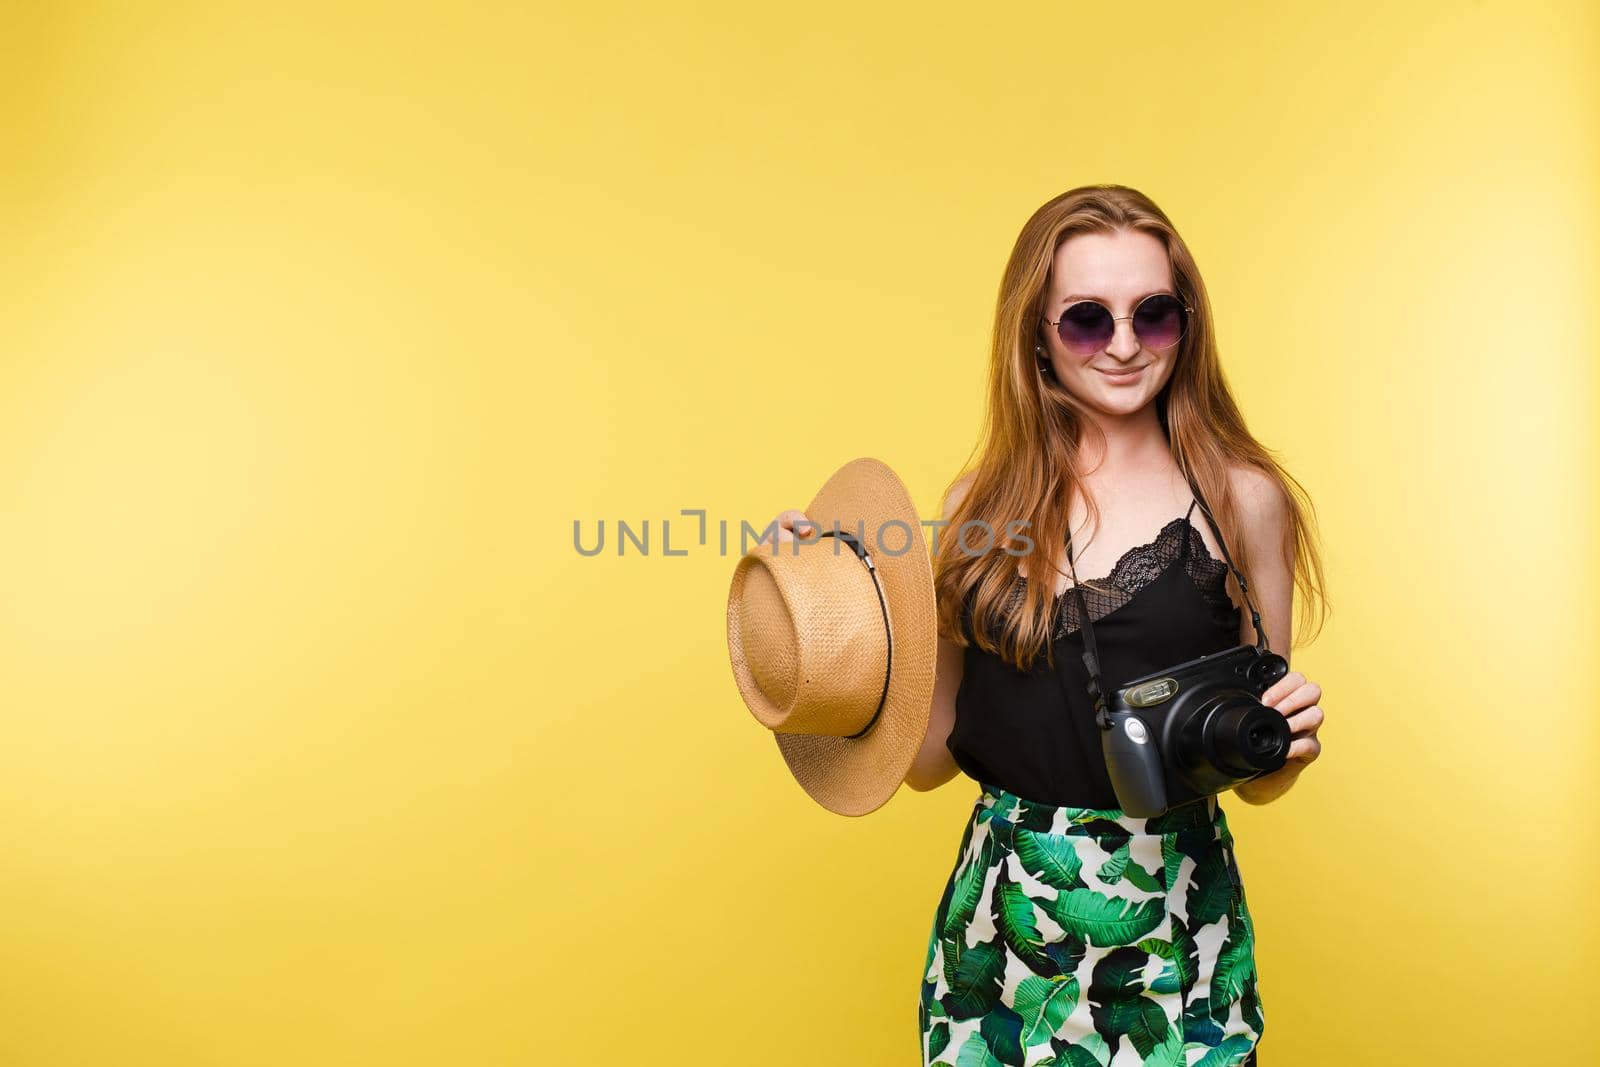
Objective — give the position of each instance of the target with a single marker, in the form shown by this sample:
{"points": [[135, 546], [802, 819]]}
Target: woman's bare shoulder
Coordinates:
{"points": [[958, 492], [1259, 495]]}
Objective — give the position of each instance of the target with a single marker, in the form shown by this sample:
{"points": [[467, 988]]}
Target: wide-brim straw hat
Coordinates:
{"points": [[841, 676]]}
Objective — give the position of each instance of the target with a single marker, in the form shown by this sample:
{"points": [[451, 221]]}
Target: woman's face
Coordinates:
{"points": [[1118, 269]]}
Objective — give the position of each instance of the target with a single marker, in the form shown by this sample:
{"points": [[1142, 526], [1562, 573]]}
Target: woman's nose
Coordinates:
{"points": [[1124, 342]]}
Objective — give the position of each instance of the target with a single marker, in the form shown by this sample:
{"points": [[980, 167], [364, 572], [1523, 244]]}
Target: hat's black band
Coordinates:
{"points": [[888, 637]]}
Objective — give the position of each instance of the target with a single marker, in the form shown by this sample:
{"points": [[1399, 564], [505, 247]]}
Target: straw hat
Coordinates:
{"points": [[841, 676]]}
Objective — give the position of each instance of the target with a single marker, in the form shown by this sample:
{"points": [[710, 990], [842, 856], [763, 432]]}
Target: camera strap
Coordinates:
{"points": [[1091, 652]]}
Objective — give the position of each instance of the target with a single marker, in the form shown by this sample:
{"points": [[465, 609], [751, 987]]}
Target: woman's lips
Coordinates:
{"points": [[1130, 376]]}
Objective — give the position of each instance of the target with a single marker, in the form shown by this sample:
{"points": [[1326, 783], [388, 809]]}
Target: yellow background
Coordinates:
{"points": [[322, 324]]}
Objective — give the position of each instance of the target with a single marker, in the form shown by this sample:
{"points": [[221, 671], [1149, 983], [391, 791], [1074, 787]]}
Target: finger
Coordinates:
{"points": [[794, 519], [1302, 696], [781, 529], [1306, 721], [1305, 749], [1282, 687]]}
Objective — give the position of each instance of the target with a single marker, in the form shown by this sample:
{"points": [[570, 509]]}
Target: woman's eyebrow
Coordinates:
{"points": [[1080, 296]]}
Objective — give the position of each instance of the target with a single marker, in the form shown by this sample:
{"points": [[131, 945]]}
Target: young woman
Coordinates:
{"points": [[1070, 932]]}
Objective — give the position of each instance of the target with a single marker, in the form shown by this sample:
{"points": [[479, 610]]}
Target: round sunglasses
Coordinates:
{"points": [[1088, 326]]}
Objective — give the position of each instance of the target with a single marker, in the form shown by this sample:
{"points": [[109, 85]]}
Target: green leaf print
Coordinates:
{"points": [[1066, 954], [1210, 890], [1044, 1005], [1220, 1011], [996, 810], [1143, 879], [942, 912], [1168, 1052], [1104, 920], [1013, 914], [974, 975], [1149, 1029], [1173, 820], [988, 1017], [1118, 1004], [975, 1053], [1002, 1030], [999, 825], [1200, 1024], [1241, 911], [1111, 870], [1250, 1006], [1168, 981], [1101, 825], [967, 889], [1172, 859], [1035, 817], [1051, 858], [1230, 1053], [1090, 1051], [1185, 954], [1235, 966]]}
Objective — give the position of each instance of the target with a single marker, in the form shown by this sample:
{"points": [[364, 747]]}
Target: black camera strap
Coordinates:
{"points": [[1091, 652]]}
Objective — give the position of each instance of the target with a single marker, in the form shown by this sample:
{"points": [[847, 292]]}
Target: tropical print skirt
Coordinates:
{"points": [[1085, 937]]}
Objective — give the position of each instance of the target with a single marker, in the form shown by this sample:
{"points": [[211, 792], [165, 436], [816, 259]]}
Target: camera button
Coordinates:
{"points": [[1136, 732]]}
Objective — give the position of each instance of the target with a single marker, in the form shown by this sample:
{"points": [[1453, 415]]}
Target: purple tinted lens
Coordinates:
{"points": [[1086, 327], [1159, 321]]}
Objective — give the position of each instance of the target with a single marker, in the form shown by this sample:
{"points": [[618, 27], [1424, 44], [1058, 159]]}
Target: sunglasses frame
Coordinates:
{"points": [[1187, 310]]}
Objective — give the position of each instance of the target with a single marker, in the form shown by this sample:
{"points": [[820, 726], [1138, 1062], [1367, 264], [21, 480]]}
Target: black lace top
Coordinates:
{"points": [[1033, 733]]}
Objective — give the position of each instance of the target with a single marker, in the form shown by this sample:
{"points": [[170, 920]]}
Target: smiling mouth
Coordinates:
{"points": [[1121, 374]]}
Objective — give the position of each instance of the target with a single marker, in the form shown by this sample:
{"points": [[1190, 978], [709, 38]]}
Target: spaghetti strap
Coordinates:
{"points": [[1188, 528]]}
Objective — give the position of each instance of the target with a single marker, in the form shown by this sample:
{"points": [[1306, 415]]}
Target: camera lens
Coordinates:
{"points": [[1234, 733], [1261, 740]]}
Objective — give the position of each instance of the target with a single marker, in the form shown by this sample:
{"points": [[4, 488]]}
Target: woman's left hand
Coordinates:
{"points": [[1296, 699]]}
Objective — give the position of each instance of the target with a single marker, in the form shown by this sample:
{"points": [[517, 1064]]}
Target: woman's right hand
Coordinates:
{"points": [[786, 521]]}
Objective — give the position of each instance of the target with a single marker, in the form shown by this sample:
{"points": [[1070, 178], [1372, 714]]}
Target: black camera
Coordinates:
{"points": [[1195, 729]]}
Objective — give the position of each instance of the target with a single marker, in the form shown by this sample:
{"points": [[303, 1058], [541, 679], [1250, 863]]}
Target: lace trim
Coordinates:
{"points": [[1137, 568]]}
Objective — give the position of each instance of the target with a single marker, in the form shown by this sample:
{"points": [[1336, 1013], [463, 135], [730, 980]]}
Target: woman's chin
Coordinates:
{"points": [[1115, 401]]}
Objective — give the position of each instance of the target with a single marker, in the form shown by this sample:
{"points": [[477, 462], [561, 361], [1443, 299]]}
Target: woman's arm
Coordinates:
{"points": [[934, 765], [1265, 514]]}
